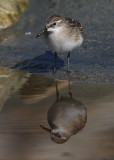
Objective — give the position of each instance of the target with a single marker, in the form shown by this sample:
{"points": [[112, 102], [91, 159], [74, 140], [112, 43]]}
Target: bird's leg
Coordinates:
{"points": [[70, 93], [68, 58], [57, 91], [54, 70]]}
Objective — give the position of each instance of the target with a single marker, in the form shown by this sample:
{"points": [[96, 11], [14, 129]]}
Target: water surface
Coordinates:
{"points": [[26, 107]]}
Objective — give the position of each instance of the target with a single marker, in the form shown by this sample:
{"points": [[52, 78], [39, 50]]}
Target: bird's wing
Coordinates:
{"points": [[78, 124], [75, 23]]}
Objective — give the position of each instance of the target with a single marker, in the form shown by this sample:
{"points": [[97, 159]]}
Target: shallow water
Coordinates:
{"points": [[24, 102]]}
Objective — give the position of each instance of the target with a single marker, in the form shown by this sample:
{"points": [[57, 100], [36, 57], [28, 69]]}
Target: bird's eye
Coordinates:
{"points": [[54, 24]]}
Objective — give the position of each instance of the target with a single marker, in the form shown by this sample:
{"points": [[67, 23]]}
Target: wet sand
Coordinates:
{"points": [[21, 137]]}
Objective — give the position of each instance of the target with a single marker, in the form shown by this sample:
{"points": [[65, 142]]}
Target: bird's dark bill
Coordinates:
{"points": [[39, 34]]}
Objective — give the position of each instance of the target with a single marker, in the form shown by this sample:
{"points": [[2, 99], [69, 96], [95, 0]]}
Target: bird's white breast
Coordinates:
{"points": [[62, 43]]}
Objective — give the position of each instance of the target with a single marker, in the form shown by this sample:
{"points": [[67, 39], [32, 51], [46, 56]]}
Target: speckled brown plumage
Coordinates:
{"points": [[71, 22], [54, 17], [74, 23]]}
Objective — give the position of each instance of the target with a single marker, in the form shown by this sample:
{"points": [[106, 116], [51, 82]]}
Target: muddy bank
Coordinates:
{"points": [[94, 61]]}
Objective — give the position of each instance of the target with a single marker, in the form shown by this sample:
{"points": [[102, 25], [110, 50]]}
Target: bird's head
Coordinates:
{"points": [[59, 137], [54, 23], [56, 135]]}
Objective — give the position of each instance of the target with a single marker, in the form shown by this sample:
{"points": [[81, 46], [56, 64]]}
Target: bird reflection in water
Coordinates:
{"points": [[66, 117]]}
